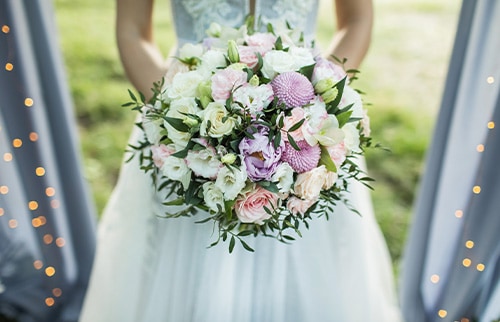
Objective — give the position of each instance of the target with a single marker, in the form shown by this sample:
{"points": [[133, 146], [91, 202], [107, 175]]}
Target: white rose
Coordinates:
{"points": [[190, 50], [351, 139], [231, 181], [220, 123], [176, 169], [301, 57], [283, 177], [213, 196], [177, 109], [204, 163], [308, 184], [185, 84], [276, 62]]}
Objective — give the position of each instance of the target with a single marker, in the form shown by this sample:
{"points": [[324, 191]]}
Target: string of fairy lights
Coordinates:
{"points": [[37, 220], [459, 214]]}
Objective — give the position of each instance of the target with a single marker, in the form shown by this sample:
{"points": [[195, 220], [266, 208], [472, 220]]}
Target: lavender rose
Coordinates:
{"points": [[259, 155]]}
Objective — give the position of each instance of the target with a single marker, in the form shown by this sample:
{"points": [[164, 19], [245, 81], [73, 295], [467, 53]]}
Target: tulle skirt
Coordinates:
{"points": [[149, 268]]}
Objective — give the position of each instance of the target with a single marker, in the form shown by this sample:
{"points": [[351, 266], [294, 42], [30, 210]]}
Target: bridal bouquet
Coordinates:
{"points": [[256, 129]]}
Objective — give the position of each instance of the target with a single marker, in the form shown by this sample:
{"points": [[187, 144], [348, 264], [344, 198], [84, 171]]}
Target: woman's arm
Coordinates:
{"points": [[142, 60], [354, 27]]}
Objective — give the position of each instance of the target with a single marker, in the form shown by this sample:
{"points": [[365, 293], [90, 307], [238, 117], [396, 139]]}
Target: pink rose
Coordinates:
{"points": [[225, 81], [308, 184], [160, 153], [338, 153], [249, 207], [299, 206]]}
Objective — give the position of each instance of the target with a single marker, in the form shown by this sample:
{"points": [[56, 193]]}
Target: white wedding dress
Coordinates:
{"points": [[157, 270]]}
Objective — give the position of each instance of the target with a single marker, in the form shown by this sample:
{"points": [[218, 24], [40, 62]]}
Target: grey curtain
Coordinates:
{"points": [[451, 265], [47, 221]]}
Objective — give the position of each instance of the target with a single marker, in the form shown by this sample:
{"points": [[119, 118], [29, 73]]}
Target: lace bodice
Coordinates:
{"points": [[193, 17]]}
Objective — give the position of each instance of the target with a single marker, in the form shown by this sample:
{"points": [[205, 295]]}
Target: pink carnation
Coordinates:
{"points": [[160, 153], [292, 89], [225, 81], [302, 160]]}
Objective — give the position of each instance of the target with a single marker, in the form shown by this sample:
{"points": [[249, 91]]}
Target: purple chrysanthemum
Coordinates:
{"points": [[302, 160], [293, 89]]}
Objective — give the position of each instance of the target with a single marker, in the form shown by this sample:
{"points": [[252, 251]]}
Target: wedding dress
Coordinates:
{"points": [[153, 269]]}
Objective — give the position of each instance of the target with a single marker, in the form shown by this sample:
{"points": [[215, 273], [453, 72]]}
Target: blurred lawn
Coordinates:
{"points": [[403, 77]]}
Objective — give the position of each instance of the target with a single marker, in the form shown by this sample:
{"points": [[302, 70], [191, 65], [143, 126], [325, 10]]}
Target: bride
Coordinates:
{"points": [[153, 269]]}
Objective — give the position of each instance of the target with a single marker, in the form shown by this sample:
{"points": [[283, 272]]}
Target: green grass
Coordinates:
{"points": [[403, 77]]}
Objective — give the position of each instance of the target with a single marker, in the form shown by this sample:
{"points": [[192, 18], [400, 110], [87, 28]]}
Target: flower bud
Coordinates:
{"points": [[232, 51], [254, 80], [214, 30], [330, 95], [323, 85], [204, 88], [205, 100], [228, 158], [189, 121], [237, 66]]}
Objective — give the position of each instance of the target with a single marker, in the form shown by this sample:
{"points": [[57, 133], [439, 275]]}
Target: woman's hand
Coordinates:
{"points": [[142, 60], [353, 35]]}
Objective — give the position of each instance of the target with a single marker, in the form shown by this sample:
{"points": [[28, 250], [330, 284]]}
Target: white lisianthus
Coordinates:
{"points": [[176, 169], [351, 139], [315, 115], [330, 134], [276, 62], [283, 177], [152, 128], [204, 163], [220, 123], [185, 84], [213, 197], [211, 61], [190, 50], [350, 96], [177, 110], [231, 181], [254, 98]]}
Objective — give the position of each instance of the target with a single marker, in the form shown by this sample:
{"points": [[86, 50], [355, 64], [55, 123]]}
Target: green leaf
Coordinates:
{"points": [[292, 142], [326, 160], [269, 186], [232, 242], [177, 124], [278, 45], [307, 71], [132, 96], [175, 202], [246, 246], [297, 125], [343, 118]]}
